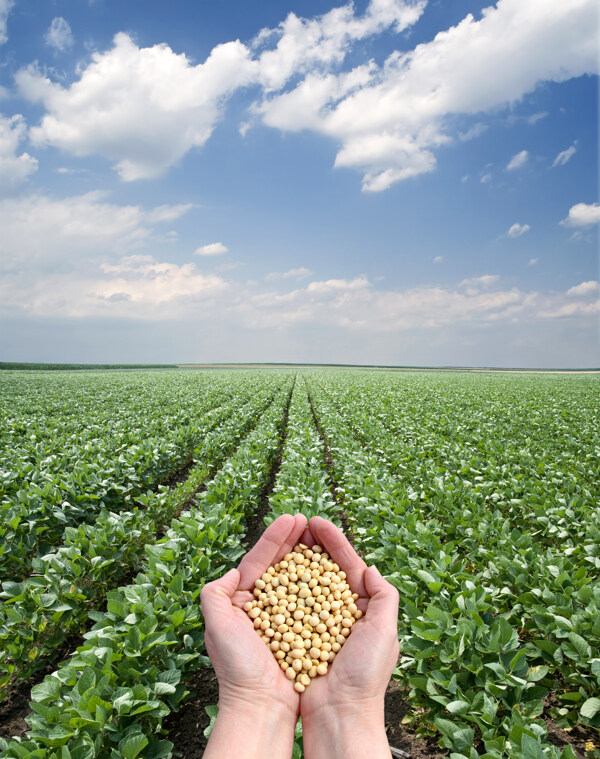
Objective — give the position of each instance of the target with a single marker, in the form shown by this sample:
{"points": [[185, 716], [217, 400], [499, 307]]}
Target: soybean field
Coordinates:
{"points": [[476, 494]]}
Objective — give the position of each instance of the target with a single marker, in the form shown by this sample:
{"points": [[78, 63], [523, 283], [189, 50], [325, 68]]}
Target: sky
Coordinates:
{"points": [[396, 182]]}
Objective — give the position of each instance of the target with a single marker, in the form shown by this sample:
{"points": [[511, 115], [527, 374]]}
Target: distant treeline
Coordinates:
{"points": [[70, 367]]}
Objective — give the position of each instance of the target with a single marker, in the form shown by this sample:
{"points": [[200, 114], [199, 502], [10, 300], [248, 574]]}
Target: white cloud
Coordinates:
{"points": [[142, 288], [144, 108], [303, 45], [518, 160], [300, 273], [59, 35], [213, 249], [535, 117], [49, 232], [518, 229], [475, 131], [14, 168], [438, 259], [138, 287], [533, 261], [565, 155], [584, 289], [582, 215], [141, 108], [390, 123], [486, 178], [572, 309], [168, 213], [474, 285], [5, 8]]}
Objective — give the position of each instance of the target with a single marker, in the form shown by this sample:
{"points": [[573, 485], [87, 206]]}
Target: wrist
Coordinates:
{"points": [[253, 708], [251, 729], [350, 730]]}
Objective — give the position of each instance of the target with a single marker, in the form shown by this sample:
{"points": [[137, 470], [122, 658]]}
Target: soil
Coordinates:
{"points": [[333, 485], [256, 525], [186, 727], [13, 710], [14, 706], [576, 737]]}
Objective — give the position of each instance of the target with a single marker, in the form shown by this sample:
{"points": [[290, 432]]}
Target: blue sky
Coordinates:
{"points": [[409, 182]]}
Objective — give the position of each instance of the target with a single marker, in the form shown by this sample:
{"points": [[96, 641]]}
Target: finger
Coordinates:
{"points": [[383, 604], [241, 597], [216, 596], [338, 547], [278, 539], [307, 538]]}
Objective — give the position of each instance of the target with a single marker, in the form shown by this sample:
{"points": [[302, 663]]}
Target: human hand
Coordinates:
{"points": [[343, 712], [249, 676], [363, 667]]}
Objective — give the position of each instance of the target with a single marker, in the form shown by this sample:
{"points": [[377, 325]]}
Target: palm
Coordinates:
{"points": [[245, 666]]}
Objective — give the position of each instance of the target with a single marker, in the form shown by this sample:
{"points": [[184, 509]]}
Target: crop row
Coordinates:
{"points": [[67, 453], [302, 483], [40, 612], [109, 699], [464, 606]]}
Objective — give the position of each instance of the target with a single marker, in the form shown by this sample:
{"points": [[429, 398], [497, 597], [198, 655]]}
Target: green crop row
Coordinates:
{"points": [[70, 446], [479, 651], [302, 483], [40, 612], [110, 698]]}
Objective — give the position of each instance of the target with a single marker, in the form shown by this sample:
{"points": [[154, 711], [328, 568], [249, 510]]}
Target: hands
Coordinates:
{"points": [[337, 709], [342, 713], [258, 708]]}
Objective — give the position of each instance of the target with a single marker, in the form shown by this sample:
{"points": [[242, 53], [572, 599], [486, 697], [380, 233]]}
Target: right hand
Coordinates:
{"points": [[361, 671]]}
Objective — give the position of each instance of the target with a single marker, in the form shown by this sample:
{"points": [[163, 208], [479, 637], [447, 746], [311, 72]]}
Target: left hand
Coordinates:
{"points": [[248, 674]]}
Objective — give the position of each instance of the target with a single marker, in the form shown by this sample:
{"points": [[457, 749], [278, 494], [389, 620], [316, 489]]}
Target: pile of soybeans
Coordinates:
{"points": [[303, 609]]}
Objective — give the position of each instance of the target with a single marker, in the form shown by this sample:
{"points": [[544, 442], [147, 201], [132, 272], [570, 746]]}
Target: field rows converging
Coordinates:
{"points": [[153, 627], [477, 496]]}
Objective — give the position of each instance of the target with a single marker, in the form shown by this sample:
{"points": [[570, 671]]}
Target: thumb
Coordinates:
{"points": [[383, 601], [215, 597]]}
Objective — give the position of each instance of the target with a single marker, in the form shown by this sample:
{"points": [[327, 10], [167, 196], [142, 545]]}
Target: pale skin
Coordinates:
{"points": [[342, 712]]}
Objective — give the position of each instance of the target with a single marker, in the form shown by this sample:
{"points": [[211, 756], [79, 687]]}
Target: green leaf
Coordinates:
{"points": [[212, 712], [131, 746], [47, 690], [590, 708], [458, 707], [531, 748]]}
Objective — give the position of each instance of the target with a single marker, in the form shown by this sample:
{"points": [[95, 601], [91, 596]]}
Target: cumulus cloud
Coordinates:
{"points": [[213, 249], [438, 259], [582, 215], [140, 287], [49, 232], [518, 229], [584, 289], [141, 108], [300, 273], [59, 35], [391, 122], [5, 8], [144, 108], [518, 160], [565, 155], [14, 168], [533, 261]]}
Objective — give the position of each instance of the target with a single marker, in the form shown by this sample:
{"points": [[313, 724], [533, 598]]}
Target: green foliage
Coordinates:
{"points": [[476, 495]]}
